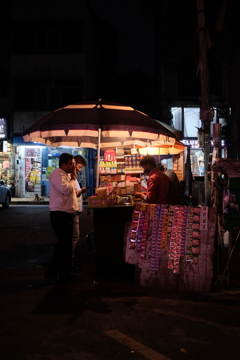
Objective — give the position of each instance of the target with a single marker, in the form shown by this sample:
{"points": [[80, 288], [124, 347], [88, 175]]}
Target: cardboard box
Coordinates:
{"points": [[97, 202], [101, 191], [137, 188], [130, 189], [118, 190]]}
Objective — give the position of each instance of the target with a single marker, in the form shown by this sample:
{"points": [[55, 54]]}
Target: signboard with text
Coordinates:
{"points": [[3, 129]]}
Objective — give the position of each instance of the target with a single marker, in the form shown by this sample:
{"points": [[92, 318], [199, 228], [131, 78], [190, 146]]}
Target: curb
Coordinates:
{"points": [[34, 202], [29, 202]]}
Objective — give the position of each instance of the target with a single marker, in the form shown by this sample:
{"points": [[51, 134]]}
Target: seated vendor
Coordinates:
{"points": [[157, 184]]}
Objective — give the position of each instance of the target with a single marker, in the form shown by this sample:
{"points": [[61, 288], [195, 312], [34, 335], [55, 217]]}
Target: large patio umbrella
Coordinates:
{"points": [[98, 125], [90, 123]]}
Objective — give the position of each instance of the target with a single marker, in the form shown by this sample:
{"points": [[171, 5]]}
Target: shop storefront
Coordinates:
{"points": [[196, 157], [7, 168], [35, 162]]}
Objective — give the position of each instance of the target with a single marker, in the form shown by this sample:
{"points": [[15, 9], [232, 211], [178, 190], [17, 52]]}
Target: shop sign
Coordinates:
{"points": [[3, 129], [192, 143], [195, 145]]}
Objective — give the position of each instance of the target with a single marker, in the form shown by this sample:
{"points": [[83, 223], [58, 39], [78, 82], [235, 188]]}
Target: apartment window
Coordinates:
{"points": [[191, 122], [187, 123], [177, 117], [187, 119], [47, 37]]}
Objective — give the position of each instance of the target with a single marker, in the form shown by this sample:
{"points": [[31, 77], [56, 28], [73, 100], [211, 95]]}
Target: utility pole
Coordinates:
{"points": [[206, 114], [233, 146]]}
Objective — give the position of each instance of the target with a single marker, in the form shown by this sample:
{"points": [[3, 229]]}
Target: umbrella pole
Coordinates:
{"points": [[98, 157]]}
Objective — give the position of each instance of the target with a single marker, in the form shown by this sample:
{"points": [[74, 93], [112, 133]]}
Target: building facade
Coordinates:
{"points": [[55, 53]]}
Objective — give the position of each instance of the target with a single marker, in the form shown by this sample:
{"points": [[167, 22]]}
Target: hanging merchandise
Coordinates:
{"points": [[155, 254], [172, 229], [137, 228], [138, 238], [189, 235], [204, 218], [145, 208], [178, 237]]}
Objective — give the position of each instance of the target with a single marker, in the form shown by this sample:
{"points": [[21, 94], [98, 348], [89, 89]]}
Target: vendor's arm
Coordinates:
{"points": [[142, 195], [152, 189]]}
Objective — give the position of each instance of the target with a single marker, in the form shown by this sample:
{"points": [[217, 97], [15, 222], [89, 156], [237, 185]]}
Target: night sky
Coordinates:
{"points": [[135, 33]]}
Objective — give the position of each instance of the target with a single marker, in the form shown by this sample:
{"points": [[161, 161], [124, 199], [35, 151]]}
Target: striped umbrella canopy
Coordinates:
{"points": [[98, 124]]}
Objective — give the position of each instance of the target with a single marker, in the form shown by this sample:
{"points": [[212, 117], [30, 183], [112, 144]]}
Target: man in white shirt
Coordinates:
{"points": [[63, 205], [80, 163]]}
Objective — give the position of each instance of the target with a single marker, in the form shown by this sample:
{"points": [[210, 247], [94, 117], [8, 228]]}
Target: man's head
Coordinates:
{"points": [[66, 162], [161, 167], [80, 162], [148, 163]]}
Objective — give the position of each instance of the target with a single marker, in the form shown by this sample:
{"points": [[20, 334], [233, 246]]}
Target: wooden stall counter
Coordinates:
{"points": [[109, 227]]}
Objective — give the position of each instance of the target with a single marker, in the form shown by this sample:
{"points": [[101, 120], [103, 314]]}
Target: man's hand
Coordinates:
{"points": [[140, 194], [73, 174], [79, 192]]}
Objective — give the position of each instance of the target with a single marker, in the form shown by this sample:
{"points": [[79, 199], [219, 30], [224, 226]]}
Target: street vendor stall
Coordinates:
{"points": [[113, 207], [104, 125]]}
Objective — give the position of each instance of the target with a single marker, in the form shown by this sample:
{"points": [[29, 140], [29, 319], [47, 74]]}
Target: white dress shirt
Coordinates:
{"points": [[80, 198], [62, 196]]}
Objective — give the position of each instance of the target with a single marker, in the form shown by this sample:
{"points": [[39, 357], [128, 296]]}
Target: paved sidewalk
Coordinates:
{"points": [[32, 201], [29, 201]]}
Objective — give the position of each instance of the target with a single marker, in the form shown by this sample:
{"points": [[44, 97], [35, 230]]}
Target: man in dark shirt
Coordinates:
{"points": [[157, 184], [175, 196]]}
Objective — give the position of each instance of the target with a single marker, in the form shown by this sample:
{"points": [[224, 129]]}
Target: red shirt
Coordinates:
{"points": [[157, 187]]}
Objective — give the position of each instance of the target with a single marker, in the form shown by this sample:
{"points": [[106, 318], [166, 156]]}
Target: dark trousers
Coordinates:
{"points": [[62, 224]]}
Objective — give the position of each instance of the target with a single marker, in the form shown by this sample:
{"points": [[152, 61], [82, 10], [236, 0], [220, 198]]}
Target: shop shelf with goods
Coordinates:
{"points": [[121, 168], [178, 165]]}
